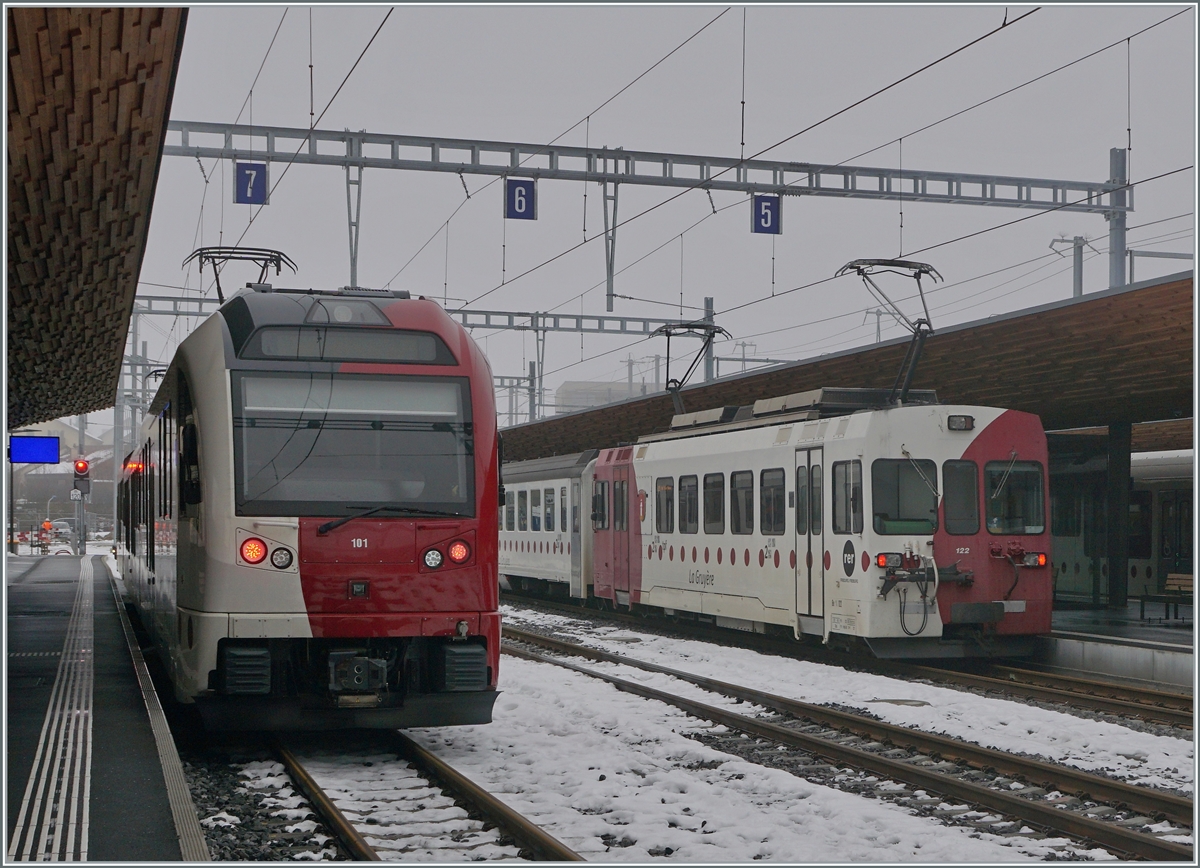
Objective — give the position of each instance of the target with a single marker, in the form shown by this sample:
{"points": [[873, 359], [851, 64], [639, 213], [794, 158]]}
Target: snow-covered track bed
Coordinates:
{"points": [[406, 804], [1003, 808], [1129, 703]]}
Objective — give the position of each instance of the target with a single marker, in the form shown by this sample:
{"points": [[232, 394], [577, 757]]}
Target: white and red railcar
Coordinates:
{"points": [[920, 530], [308, 526]]}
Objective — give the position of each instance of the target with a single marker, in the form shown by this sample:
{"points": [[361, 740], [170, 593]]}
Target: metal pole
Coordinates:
{"points": [[1078, 241], [533, 391], [1116, 220], [657, 374], [12, 514], [708, 349], [629, 362], [118, 449], [610, 236], [80, 514]]}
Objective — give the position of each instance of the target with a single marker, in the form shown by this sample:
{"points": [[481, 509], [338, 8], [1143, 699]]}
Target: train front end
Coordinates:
{"points": [[350, 560]]}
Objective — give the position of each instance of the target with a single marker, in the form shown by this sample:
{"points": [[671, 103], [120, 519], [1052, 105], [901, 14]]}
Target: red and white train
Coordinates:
{"points": [[919, 530], [308, 525]]}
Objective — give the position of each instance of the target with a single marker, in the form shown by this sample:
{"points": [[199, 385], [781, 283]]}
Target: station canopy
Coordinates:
{"points": [[1120, 355], [89, 94]]}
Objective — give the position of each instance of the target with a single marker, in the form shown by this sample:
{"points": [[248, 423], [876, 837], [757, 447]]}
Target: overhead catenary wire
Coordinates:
{"points": [[701, 184]]}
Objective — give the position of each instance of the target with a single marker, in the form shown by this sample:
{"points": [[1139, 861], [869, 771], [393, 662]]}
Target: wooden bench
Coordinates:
{"points": [[1178, 590]]}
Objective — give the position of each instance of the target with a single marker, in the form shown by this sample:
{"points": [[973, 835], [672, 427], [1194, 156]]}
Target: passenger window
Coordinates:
{"points": [[522, 510], [848, 496], [599, 505], [548, 497], [664, 504], [960, 496], [620, 504], [562, 507], [535, 510], [815, 495], [689, 504], [714, 503], [771, 487], [510, 510], [741, 502], [801, 500], [575, 507]]}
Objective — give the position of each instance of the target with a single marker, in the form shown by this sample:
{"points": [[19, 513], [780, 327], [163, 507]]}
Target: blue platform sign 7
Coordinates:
{"points": [[766, 217], [520, 199], [250, 183]]}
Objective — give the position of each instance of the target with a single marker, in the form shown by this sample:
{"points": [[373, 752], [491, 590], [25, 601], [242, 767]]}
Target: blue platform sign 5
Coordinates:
{"points": [[250, 183], [766, 217], [520, 199]]}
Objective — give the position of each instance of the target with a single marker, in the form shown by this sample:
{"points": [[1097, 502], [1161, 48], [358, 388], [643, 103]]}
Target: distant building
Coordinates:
{"points": [[580, 394]]}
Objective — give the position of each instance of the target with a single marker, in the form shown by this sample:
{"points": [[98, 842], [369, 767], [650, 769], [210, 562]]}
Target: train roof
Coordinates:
{"points": [[798, 407], [548, 468]]}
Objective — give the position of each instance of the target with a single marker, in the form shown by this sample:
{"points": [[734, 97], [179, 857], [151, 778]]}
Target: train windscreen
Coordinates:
{"points": [[320, 443]]}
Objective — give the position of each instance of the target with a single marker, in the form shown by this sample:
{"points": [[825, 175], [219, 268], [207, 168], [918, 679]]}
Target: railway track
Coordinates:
{"points": [[1172, 709], [864, 743], [391, 813]]}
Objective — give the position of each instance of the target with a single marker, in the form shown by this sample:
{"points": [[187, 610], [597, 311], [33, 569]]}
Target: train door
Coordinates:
{"points": [[576, 544], [1175, 535], [810, 533], [620, 527]]}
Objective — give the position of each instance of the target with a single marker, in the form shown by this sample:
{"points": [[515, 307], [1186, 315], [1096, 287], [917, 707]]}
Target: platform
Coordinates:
{"points": [[1119, 643], [92, 772]]}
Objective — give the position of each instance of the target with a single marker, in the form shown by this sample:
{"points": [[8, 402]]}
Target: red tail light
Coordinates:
{"points": [[1034, 559], [253, 550], [458, 552], [889, 559]]}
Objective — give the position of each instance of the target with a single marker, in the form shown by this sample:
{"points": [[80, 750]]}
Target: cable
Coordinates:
{"points": [[585, 119], [700, 184]]}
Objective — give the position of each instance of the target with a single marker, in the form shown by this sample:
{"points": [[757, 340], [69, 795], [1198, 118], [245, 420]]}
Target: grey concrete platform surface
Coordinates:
{"points": [[1120, 643], [85, 775]]}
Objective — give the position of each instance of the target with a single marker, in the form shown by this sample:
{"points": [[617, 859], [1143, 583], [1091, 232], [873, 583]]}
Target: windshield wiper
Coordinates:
{"points": [[338, 522]]}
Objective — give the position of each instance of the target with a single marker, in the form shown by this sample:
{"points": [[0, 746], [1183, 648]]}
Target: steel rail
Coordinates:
{"points": [[1077, 826], [1075, 684], [330, 815], [795, 650], [1056, 777], [542, 843]]}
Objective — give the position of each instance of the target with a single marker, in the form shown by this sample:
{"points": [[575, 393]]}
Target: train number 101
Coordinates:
{"points": [[358, 543]]}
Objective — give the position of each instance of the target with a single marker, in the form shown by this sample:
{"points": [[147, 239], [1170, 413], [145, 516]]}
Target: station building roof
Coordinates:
{"points": [[1120, 355], [89, 94]]}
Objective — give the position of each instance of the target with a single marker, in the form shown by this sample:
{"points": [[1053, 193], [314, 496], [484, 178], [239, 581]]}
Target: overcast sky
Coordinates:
{"points": [[527, 73]]}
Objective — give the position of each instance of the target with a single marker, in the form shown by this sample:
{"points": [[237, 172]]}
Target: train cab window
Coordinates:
{"points": [[1014, 497], [714, 503], [522, 510], [620, 504], [548, 500], [599, 505], [535, 510], [772, 512], [848, 496], [689, 504], [904, 496], [664, 504], [960, 496], [801, 500], [562, 508], [741, 502], [510, 510]]}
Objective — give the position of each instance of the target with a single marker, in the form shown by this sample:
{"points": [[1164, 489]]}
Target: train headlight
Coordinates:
{"points": [[433, 559], [960, 423], [458, 552], [253, 550], [1034, 559], [888, 559], [281, 558]]}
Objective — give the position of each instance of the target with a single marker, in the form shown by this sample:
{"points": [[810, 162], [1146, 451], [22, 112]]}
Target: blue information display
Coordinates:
{"points": [[766, 217], [520, 199], [250, 183], [32, 450]]}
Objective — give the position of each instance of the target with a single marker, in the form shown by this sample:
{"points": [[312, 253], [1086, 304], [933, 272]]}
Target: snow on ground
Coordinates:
{"points": [[1096, 746], [614, 777]]}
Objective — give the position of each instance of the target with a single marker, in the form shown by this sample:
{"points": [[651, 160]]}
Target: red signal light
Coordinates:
{"points": [[459, 551], [253, 550], [81, 466]]}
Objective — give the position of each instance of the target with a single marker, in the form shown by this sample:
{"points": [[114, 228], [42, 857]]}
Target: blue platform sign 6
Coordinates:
{"points": [[766, 217], [520, 199], [250, 183]]}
